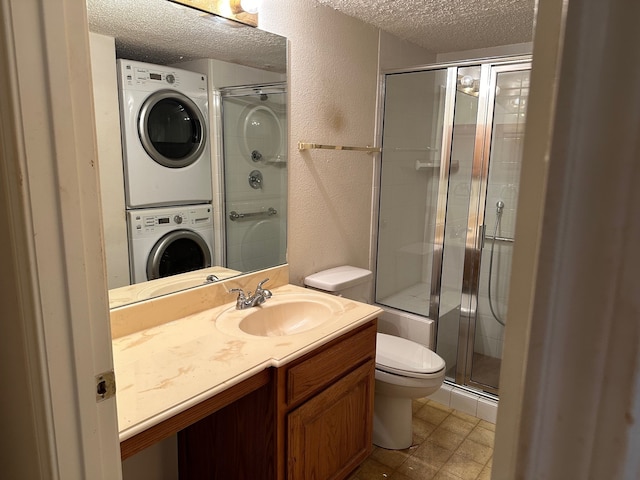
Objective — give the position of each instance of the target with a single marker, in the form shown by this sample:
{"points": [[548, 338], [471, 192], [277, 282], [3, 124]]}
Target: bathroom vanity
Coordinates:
{"points": [[293, 405], [311, 418]]}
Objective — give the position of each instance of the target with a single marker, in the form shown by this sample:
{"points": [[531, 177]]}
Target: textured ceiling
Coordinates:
{"points": [[154, 30], [442, 26]]}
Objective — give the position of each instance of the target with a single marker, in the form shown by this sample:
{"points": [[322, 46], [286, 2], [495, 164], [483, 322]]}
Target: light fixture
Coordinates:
{"points": [[251, 7], [243, 11], [469, 85]]}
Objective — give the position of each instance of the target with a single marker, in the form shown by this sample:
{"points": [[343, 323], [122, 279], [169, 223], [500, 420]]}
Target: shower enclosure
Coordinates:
{"points": [[254, 144], [452, 144]]}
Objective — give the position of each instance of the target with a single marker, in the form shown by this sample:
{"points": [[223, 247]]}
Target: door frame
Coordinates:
{"points": [[56, 295]]}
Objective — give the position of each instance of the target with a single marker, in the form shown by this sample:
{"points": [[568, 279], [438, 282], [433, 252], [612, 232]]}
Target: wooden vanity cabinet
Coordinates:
{"points": [[314, 420], [325, 408]]}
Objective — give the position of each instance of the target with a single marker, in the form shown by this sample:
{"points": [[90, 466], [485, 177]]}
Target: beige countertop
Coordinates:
{"points": [[168, 368], [153, 288]]}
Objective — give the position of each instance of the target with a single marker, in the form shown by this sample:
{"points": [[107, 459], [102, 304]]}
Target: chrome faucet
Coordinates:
{"points": [[248, 300]]}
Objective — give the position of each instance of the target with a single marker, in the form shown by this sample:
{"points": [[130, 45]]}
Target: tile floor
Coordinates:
{"points": [[447, 445]]}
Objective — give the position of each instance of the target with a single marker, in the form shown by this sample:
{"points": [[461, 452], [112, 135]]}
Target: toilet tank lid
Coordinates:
{"points": [[396, 353], [338, 278]]}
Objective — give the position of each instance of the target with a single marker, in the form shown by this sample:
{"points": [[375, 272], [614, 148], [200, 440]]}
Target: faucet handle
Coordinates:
{"points": [[241, 294], [263, 291]]}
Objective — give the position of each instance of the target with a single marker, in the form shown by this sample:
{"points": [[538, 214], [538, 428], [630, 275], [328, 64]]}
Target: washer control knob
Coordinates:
{"points": [[170, 78], [178, 219]]}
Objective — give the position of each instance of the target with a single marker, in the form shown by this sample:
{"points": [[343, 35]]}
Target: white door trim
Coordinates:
{"points": [[570, 384], [56, 295]]}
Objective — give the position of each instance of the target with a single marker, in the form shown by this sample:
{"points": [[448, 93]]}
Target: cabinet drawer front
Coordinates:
{"points": [[324, 368]]}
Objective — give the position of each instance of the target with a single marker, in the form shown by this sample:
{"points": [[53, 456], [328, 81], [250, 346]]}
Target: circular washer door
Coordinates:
{"points": [[178, 251], [171, 129]]}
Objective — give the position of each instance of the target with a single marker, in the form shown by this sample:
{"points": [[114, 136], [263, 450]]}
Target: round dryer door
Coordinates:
{"points": [[172, 129], [179, 251]]}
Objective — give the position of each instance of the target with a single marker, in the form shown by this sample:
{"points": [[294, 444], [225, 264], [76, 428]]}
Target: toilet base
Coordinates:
{"points": [[392, 422]]}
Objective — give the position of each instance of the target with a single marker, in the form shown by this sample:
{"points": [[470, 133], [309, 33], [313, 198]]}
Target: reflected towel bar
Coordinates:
{"points": [[312, 146], [233, 216], [500, 239]]}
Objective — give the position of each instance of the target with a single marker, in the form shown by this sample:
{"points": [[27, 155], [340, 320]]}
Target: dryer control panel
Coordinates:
{"points": [[149, 77], [152, 221]]}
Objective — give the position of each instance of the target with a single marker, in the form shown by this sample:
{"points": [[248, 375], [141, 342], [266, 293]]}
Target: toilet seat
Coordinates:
{"points": [[403, 357]]}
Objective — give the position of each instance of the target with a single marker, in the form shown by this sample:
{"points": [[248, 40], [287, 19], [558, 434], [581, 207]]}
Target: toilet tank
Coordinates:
{"points": [[346, 281]]}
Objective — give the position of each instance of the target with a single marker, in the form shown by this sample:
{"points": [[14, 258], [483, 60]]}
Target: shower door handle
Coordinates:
{"points": [[481, 232]]}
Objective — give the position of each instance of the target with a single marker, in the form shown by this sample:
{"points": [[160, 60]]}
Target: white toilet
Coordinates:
{"points": [[404, 369]]}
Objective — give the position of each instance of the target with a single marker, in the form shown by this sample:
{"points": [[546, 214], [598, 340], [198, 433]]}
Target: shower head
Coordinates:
{"points": [[499, 207]]}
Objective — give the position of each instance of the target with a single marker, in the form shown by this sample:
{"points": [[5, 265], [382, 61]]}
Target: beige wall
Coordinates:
{"points": [[396, 53], [332, 83]]}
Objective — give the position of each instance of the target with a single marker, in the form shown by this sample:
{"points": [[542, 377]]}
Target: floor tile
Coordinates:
{"points": [[372, 469], [466, 417], [417, 468], [399, 476], [432, 414], [442, 475], [459, 447], [391, 458], [446, 438], [457, 425], [475, 451], [487, 425], [433, 454], [462, 467], [421, 430], [485, 474], [483, 436], [440, 406]]}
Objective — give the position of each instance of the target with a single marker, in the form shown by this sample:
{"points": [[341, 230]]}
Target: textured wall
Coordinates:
{"points": [[332, 85]]}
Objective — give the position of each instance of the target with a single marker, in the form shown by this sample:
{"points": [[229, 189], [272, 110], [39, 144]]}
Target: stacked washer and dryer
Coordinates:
{"points": [[167, 169]]}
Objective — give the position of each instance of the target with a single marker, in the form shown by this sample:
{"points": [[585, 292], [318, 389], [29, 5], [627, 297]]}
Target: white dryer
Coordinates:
{"points": [[169, 240], [164, 123]]}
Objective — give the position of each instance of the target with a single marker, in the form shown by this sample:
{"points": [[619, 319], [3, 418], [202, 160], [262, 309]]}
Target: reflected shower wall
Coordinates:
{"points": [[254, 139]]}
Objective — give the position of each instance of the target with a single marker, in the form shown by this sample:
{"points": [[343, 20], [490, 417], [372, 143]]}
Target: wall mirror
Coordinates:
{"points": [[244, 224]]}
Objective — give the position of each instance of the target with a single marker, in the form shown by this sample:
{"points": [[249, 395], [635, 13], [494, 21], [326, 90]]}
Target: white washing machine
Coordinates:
{"points": [[165, 136], [169, 240]]}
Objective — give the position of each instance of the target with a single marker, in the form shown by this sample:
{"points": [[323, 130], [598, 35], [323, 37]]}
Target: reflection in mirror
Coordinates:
{"points": [[199, 173], [255, 137]]}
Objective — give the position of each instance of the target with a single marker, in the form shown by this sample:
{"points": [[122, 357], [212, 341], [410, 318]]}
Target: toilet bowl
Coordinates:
{"points": [[404, 369]]}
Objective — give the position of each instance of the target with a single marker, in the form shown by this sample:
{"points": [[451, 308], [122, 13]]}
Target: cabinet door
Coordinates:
{"points": [[329, 435]]}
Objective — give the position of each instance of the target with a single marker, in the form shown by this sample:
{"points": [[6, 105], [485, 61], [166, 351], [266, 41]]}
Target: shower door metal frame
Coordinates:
{"points": [[475, 222], [443, 192]]}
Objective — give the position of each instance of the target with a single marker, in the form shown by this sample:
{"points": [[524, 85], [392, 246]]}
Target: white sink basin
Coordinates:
{"points": [[288, 314]]}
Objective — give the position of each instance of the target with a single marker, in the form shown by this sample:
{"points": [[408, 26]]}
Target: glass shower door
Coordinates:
{"points": [[418, 108], [452, 145], [491, 223]]}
